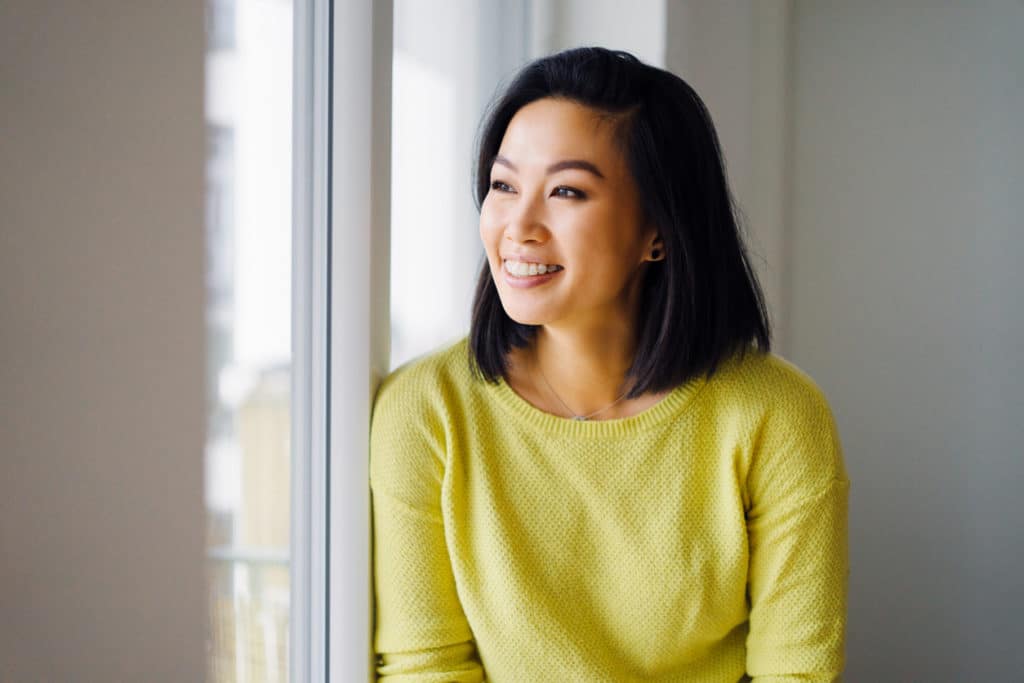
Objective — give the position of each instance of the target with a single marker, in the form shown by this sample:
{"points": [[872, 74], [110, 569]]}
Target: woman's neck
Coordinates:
{"points": [[585, 368], [578, 372]]}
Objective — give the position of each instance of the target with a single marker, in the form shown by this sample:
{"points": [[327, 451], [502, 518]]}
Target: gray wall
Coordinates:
{"points": [[905, 304], [892, 248], [736, 54], [101, 341]]}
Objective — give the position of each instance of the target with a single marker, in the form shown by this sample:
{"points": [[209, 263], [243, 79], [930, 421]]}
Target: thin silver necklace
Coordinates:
{"points": [[575, 416]]}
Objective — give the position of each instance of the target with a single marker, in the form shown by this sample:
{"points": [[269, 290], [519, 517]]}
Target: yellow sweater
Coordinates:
{"points": [[702, 540]]}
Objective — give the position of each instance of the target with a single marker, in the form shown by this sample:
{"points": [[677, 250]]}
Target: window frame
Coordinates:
{"points": [[308, 551], [340, 277]]}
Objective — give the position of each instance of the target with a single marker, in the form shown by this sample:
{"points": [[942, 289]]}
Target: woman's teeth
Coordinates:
{"points": [[522, 269]]}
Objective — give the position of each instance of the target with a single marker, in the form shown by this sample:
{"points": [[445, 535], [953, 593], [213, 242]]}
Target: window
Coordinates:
{"points": [[220, 24], [298, 215], [248, 453]]}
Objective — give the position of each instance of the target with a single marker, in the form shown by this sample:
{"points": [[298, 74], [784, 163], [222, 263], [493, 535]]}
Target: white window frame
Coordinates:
{"points": [[340, 324], [308, 612]]}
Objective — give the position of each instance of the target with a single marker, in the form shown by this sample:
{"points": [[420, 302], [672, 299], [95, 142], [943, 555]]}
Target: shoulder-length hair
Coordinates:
{"points": [[702, 302]]}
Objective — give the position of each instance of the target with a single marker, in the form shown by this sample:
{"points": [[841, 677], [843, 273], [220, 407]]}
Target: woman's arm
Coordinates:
{"points": [[799, 559], [421, 633]]}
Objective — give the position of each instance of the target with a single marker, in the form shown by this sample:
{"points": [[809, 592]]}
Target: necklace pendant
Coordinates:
{"points": [[579, 418]]}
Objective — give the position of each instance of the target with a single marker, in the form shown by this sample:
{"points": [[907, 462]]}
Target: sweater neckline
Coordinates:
{"points": [[671, 404]]}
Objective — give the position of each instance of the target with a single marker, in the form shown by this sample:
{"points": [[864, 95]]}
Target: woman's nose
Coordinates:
{"points": [[526, 223]]}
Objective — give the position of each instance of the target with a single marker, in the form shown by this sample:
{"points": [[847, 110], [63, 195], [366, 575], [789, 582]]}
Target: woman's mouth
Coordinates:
{"points": [[524, 269], [522, 274]]}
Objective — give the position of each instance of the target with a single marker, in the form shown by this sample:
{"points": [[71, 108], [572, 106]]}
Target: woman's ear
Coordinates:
{"points": [[655, 249]]}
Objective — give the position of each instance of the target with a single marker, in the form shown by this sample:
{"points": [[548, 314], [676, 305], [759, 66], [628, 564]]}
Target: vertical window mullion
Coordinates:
{"points": [[358, 328], [310, 300]]}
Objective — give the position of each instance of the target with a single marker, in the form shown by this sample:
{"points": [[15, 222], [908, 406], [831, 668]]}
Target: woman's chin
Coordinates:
{"points": [[527, 320], [526, 317]]}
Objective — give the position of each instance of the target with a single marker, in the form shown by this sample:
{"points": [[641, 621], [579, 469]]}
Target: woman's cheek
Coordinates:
{"points": [[485, 222], [490, 228]]}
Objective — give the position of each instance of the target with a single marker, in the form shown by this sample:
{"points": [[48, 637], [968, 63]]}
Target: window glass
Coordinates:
{"points": [[248, 317]]}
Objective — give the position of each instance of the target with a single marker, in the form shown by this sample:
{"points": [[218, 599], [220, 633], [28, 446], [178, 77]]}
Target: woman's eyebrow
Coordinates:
{"points": [[557, 166]]}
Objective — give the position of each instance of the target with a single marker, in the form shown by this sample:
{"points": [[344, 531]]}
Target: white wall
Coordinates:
{"points": [[636, 26], [451, 59], [436, 109], [905, 305], [101, 344]]}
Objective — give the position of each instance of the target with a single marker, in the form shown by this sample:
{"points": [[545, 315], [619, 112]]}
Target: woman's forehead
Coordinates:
{"points": [[549, 130]]}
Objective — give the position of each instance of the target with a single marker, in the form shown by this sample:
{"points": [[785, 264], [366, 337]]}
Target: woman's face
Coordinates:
{"points": [[562, 198]]}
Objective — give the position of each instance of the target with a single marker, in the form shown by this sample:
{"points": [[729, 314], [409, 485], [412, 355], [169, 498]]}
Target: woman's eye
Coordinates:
{"points": [[568, 192], [561, 191]]}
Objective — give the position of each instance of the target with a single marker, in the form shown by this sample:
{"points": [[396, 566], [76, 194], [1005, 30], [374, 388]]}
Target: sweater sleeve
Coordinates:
{"points": [[421, 634], [797, 533]]}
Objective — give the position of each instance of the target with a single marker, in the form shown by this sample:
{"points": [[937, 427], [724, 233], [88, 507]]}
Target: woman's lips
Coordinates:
{"points": [[527, 281]]}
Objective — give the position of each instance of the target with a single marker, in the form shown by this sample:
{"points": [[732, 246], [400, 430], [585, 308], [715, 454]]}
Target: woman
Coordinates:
{"points": [[611, 478]]}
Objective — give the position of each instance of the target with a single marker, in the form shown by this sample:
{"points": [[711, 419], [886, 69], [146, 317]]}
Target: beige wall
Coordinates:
{"points": [[101, 344]]}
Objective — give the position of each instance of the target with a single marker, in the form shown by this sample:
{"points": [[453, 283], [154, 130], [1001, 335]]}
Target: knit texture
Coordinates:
{"points": [[702, 540]]}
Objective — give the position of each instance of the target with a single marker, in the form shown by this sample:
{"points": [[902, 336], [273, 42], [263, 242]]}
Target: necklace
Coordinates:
{"points": [[575, 416]]}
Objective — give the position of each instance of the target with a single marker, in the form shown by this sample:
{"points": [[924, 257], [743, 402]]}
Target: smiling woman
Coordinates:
{"points": [[612, 477], [545, 208]]}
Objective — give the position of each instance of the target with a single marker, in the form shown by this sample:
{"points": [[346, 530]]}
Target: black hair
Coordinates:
{"points": [[700, 304]]}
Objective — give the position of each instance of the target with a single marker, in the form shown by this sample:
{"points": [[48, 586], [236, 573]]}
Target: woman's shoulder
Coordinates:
{"points": [[766, 381], [427, 378], [794, 441], [411, 418]]}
